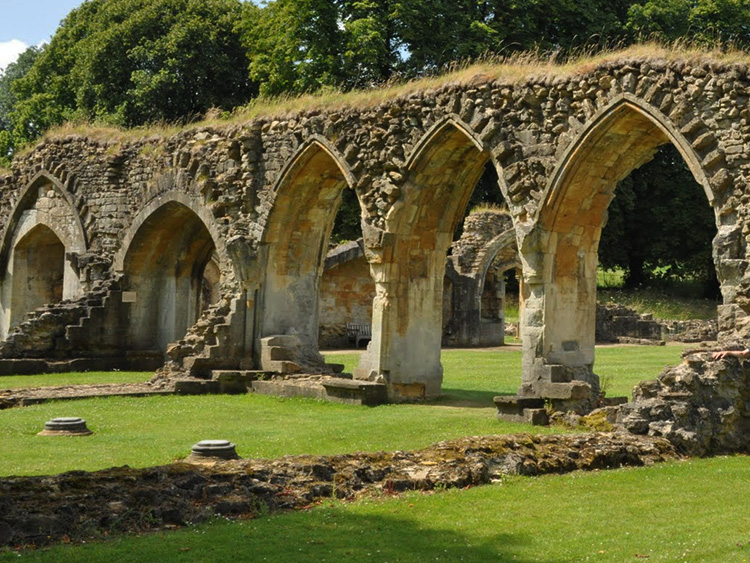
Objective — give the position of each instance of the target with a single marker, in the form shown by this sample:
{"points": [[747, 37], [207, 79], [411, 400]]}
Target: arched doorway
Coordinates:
{"points": [[38, 247], [38, 272], [171, 275], [409, 269], [294, 245], [560, 311]]}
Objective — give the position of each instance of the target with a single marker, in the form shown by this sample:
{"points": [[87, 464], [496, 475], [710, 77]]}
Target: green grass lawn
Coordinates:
{"points": [[155, 430], [75, 378], [692, 511], [686, 511]]}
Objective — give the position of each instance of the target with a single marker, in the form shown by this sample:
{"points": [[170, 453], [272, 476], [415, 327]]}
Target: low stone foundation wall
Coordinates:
{"points": [[78, 505], [701, 406]]}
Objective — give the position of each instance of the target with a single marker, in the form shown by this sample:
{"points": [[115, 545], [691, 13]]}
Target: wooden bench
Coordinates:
{"points": [[357, 332]]}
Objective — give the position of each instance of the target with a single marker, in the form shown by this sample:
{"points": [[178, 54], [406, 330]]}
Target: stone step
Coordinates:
{"points": [[334, 389], [201, 367], [283, 340], [283, 367], [193, 386], [572, 390], [275, 354], [512, 408], [236, 381], [284, 388], [355, 391]]}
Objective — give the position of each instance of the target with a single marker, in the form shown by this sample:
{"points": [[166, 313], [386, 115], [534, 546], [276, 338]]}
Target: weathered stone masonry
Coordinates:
{"points": [[228, 225]]}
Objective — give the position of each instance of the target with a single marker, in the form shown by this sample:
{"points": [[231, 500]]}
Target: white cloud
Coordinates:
{"points": [[9, 51]]}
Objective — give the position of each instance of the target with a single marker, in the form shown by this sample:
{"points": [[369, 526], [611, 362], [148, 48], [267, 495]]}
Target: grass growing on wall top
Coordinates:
{"points": [[512, 69]]}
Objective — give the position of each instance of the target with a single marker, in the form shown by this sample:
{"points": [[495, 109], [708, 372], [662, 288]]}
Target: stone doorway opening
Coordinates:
{"points": [[171, 276], [38, 272], [294, 245], [563, 249]]}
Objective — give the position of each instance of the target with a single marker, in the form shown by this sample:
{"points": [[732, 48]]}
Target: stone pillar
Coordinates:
{"points": [[558, 325], [521, 301], [404, 351]]}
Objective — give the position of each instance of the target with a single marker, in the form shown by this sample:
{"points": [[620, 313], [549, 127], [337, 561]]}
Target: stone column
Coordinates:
{"points": [[558, 322], [404, 351]]}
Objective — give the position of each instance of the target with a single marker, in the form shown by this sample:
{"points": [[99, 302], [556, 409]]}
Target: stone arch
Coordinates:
{"points": [[500, 255], [172, 197], [44, 215], [169, 256], [27, 199], [502, 246], [560, 255], [409, 269], [294, 243], [470, 322]]}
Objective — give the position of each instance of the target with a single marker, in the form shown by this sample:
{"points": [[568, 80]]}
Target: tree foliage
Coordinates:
{"points": [[8, 99], [129, 62], [706, 21], [660, 226]]}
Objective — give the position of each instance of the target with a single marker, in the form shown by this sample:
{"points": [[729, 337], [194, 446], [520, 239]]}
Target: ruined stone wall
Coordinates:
{"points": [[562, 137], [81, 506], [346, 292]]}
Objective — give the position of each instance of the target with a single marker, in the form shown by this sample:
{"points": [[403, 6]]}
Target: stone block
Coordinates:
{"points": [[231, 381], [283, 340], [195, 387], [573, 390], [400, 392], [355, 392], [614, 401], [281, 388], [537, 417], [559, 374], [514, 403], [274, 354], [198, 366]]}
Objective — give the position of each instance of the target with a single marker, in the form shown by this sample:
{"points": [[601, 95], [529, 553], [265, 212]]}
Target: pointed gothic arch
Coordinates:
{"points": [[442, 172], [44, 225], [172, 271], [295, 241], [562, 251]]}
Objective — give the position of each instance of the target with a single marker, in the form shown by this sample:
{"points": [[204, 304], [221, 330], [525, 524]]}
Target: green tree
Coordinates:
{"points": [[8, 77], [660, 226], [293, 46], [706, 21], [130, 62]]}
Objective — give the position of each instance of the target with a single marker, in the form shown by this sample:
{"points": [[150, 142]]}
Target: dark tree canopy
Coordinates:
{"points": [[129, 62], [8, 99], [660, 226]]}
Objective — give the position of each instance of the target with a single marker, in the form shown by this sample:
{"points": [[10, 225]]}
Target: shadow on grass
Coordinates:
{"points": [[466, 399], [329, 534]]}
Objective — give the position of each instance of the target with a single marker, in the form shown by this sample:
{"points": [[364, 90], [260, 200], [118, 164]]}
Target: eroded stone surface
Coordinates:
{"points": [[239, 215], [701, 406], [80, 505]]}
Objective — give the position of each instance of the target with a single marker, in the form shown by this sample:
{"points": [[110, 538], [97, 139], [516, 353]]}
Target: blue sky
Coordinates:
{"points": [[29, 22]]}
